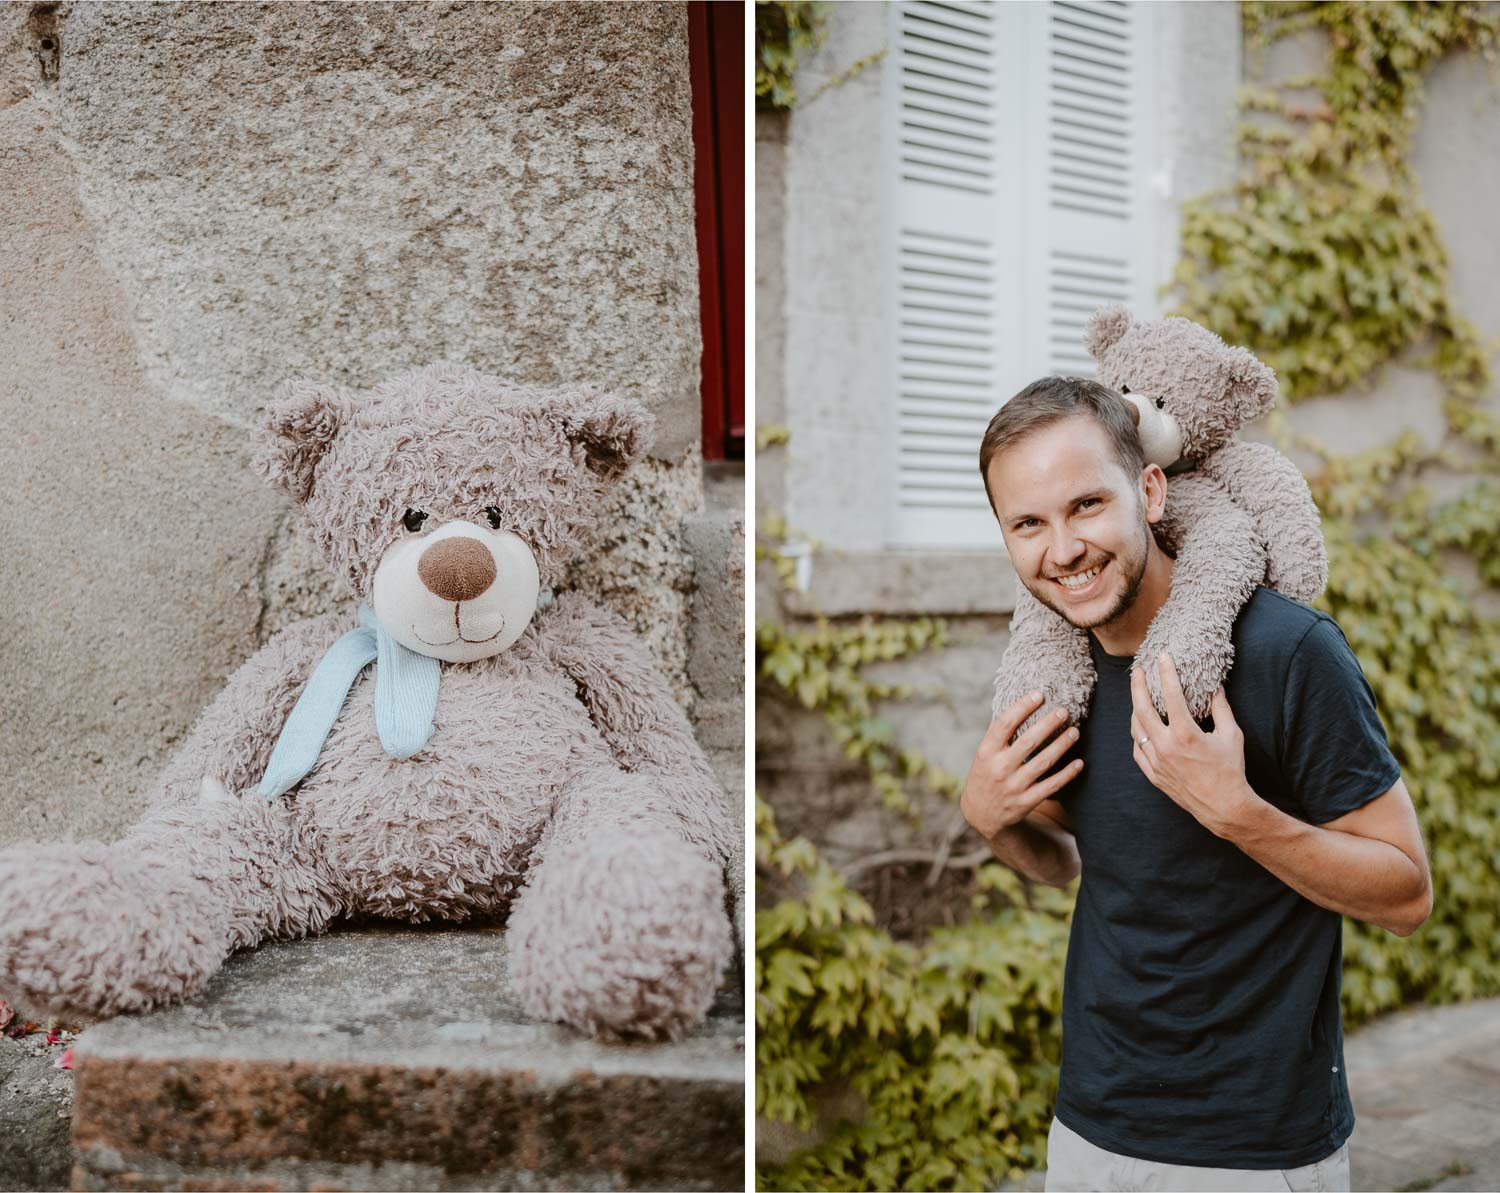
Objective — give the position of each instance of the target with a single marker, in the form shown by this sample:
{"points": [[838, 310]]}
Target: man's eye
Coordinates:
{"points": [[413, 520], [492, 512], [1088, 501], [1025, 523]]}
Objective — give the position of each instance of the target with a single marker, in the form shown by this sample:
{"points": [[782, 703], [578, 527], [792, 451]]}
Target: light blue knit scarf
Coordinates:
{"points": [[406, 689]]}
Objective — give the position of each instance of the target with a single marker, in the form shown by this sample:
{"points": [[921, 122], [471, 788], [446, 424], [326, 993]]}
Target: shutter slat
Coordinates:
{"points": [[1098, 14], [941, 22], [1112, 51]]}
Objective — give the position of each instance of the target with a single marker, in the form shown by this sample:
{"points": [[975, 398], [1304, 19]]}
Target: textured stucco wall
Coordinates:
{"points": [[205, 199], [837, 310]]}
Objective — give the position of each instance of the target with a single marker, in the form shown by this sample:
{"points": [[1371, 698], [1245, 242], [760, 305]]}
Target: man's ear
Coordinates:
{"points": [[1153, 492], [611, 432], [298, 428]]}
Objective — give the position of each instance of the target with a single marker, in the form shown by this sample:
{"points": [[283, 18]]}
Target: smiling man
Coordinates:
{"points": [[1202, 1044]]}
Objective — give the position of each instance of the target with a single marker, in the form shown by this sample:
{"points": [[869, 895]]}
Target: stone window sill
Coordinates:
{"points": [[948, 583]]}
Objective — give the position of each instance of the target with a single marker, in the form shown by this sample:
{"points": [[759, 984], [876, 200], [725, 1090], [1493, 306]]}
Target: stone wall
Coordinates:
{"points": [[203, 200]]}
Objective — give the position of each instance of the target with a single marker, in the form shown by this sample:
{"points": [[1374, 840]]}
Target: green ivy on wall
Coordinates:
{"points": [[783, 30], [1324, 262], [1322, 259], [952, 1045]]}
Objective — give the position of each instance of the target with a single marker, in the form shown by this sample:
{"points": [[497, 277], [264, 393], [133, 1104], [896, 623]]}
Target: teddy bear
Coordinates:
{"points": [[508, 755], [1238, 514]]}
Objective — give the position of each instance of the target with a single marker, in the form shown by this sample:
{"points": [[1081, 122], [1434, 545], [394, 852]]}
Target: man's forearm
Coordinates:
{"points": [[1039, 848], [1368, 879]]}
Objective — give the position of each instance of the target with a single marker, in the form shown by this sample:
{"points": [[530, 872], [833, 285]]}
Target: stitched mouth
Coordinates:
{"points": [[460, 637]]}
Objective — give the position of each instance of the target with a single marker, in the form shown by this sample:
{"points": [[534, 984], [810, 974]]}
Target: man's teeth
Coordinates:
{"points": [[1079, 581]]}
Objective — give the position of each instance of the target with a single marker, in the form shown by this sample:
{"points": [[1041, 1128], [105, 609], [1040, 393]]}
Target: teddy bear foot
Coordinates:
{"points": [[94, 929], [621, 937]]}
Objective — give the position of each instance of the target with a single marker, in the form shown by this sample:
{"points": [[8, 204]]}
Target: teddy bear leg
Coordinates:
{"points": [[98, 929], [1045, 654], [621, 928]]}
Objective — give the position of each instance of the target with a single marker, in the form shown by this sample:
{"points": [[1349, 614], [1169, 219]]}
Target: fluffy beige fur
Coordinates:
{"points": [[562, 783], [1242, 516]]}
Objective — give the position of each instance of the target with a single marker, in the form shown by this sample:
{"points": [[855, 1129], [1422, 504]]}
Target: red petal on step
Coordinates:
{"points": [[65, 1061]]}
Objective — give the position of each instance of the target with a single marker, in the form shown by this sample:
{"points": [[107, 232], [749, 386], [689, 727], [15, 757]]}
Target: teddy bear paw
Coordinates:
{"points": [[93, 930], [1197, 675], [621, 938]]}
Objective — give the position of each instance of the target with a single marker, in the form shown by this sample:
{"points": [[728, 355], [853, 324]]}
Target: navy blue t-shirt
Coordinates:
{"points": [[1201, 994]]}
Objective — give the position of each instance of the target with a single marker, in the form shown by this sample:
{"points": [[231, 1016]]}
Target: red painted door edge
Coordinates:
{"points": [[716, 39]]}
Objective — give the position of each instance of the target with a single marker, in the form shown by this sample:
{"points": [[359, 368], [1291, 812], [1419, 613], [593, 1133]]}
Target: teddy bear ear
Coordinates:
{"points": [[1105, 327], [298, 428], [612, 431], [1251, 384]]}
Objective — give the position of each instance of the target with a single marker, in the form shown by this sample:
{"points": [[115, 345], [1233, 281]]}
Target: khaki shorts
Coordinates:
{"points": [[1073, 1163]]}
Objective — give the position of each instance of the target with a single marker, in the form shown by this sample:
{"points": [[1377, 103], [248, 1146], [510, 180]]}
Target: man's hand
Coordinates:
{"points": [[1203, 773], [1002, 786]]}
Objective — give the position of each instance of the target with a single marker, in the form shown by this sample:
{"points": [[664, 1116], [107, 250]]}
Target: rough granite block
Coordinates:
{"points": [[384, 1058]]}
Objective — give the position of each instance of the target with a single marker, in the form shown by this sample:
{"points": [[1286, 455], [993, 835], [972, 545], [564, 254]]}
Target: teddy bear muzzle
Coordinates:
{"points": [[457, 593], [457, 569]]}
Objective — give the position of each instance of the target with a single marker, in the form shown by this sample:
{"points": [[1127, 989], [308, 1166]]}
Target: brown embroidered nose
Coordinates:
{"points": [[457, 569]]}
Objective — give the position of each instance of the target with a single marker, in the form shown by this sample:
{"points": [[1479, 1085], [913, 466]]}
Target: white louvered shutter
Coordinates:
{"points": [[1092, 148], [957, 321], [1012, 220]]}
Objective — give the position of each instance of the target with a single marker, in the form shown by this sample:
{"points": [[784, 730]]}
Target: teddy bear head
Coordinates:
{"points": [[449, 498], [1190, 390]]}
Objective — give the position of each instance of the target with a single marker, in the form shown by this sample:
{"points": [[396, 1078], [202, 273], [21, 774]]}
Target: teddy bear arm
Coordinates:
{"points": [[632, 706], [1265, 483], [232, 739], [1044, 654], [1220, 561], [621, 928]]}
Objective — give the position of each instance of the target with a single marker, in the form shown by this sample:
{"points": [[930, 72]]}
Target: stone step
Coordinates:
{"points": [[381, 1058]]}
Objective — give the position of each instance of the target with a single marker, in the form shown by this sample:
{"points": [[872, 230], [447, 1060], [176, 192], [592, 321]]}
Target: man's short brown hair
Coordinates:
{"points": [[1052, 399]]}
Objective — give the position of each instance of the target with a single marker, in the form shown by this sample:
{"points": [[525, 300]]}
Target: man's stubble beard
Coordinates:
{"points": [[1132, 567]]}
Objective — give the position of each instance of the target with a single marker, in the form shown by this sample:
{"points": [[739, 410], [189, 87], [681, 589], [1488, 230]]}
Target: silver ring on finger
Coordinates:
{"points": [[1144, 741]]}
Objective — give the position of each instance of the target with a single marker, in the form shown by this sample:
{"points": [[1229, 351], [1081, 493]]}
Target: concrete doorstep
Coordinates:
{"points": [[394, 1059]]}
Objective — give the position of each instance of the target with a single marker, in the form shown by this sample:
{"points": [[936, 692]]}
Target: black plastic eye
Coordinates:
{"points": [[492, 512], [1161, 403], [1124, 389], [413, 520]]}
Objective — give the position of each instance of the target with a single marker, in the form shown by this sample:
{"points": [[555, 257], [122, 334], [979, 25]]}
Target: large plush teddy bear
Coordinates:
{"points": [[507, 753], [1238, 514]]}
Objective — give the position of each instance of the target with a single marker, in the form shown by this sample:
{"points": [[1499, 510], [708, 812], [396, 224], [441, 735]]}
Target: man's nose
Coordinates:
{"points": [[1065, 549]]}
